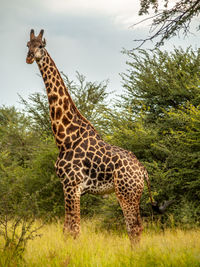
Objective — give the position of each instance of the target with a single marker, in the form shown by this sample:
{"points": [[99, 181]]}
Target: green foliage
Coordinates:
{"points": [[158, 81], [159, 120], [16, 138], [111, 215], [18, 211], [90, 98], [38, 110], [40, 179]]}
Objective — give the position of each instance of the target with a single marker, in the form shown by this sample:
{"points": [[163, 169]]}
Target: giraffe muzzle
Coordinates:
{"points": [[30, 60], [30, 57]]}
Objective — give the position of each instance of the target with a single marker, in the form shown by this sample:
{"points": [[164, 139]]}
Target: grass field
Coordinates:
{"points": [[101, 248]]}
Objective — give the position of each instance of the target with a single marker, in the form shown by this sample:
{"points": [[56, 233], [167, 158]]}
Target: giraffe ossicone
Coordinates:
{"points": [[86, 163]]}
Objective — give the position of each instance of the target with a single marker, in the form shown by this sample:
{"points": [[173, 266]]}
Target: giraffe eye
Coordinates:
{"points": [[40, 46]]}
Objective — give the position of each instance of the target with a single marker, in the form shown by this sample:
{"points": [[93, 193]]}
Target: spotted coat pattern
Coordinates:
{"points": [[86, 163]]}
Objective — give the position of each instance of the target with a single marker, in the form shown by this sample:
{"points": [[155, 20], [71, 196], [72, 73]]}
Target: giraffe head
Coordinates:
{"points": [[36, 47]]}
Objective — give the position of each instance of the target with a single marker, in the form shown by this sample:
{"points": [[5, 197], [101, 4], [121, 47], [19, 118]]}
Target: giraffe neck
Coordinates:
{"points": [[67, 122]]}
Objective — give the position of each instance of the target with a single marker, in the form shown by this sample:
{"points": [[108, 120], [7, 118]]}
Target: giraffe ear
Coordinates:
{"points": [[32, 34], [40, 34]]}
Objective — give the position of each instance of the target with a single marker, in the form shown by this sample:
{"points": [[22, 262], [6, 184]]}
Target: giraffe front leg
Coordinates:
{"points": [[72, 211]]}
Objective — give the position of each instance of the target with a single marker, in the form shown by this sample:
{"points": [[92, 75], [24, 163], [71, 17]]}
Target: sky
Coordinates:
{"points": [[82, 35]]}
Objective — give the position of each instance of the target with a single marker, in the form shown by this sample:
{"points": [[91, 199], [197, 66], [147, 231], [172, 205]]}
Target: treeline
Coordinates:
{"points": [[157, 117]]}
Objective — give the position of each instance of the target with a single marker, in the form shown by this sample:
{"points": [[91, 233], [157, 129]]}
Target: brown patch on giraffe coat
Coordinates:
{"points": [[61, 134], [69, 115], [80, 155], [69, 155], [68, 145], [92, 133], [52, 112], [58, 113], [44, 77], [100, 176], [71, 128], [85, 135], [99, 154], [60, 91], [54, 128], [75, 144], [74, 136], [97, 159], [58, 142], [78, 150], [115, 158], [65, 104], [65, 120], [90, 155], [87, 163], [105, 159], [84, 144], [92, 141], [82, 130], [62, 163], [53, 98], [89, 182]]}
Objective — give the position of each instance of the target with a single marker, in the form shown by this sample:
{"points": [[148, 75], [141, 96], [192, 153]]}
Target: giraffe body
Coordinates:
{"points": [[86, 163]]}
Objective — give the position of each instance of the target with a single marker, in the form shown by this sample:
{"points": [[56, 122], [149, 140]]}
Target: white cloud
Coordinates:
{"points": [[105, 6], [122, 11]]}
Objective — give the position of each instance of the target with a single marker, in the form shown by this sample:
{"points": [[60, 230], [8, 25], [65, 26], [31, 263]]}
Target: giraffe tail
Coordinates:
{"points": [[159, 209], [146, 176]]}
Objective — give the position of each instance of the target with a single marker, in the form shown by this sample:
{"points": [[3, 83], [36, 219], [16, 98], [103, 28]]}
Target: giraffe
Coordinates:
{"points": [[86, 163]]}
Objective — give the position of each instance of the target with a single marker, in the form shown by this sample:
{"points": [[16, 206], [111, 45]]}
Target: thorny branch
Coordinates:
{"points": [[167, 23]]}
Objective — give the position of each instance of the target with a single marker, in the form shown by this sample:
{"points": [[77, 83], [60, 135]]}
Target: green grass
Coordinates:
{"points": [[95, 248]]}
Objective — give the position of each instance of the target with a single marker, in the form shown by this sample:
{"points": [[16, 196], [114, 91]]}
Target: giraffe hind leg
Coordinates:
{"points": [[129, 199]]}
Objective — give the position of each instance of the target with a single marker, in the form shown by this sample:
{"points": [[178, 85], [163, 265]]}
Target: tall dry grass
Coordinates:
{"points": [[101, 248], [97, 248]]}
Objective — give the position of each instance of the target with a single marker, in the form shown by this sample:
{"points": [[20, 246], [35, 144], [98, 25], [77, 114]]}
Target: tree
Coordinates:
{"points": [[158, 81], [90, 98], [170, 20], [37, 109], [16, 137], [159, 120]]}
